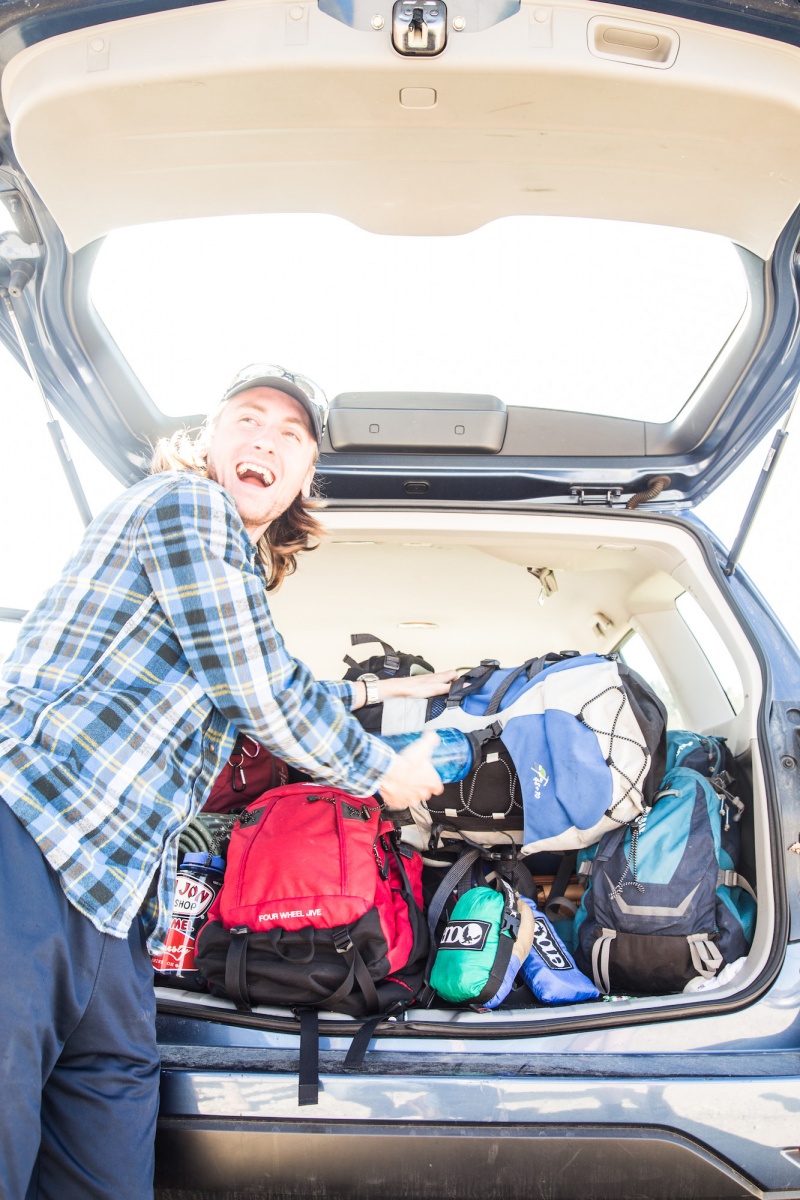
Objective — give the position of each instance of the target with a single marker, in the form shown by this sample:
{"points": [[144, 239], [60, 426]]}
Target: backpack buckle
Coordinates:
{"points": [[342, 941]]}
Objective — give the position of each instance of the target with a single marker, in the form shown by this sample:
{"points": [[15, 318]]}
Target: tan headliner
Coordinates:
{"points": [[217, 109]]}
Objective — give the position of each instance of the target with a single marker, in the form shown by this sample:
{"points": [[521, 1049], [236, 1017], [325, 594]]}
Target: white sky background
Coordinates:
{"points": [[333, 326]]}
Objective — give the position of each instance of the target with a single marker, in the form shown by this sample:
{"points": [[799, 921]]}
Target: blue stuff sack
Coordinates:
{"points": [[549, 970]]}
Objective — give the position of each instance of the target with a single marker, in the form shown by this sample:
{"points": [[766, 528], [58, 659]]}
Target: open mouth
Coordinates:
{"points": [[254, 474]]}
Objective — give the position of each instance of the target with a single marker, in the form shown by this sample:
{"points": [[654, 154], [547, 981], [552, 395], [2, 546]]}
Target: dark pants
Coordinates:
{"points": [[79, 1066]]}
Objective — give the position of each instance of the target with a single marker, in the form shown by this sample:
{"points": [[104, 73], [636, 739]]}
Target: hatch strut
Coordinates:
{"points": [[770, 462], [64, 456]]}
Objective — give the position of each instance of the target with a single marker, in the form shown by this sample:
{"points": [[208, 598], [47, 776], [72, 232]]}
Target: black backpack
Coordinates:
{"points": [[389, 665]]}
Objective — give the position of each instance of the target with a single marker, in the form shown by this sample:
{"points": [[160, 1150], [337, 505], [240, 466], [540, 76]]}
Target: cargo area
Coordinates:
{"points": [[459, 586]]}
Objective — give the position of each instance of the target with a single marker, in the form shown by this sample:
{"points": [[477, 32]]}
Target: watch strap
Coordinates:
{"points": [[370, 682]]}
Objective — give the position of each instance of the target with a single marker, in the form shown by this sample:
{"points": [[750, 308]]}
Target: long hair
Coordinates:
{"points": [[294, 532]]}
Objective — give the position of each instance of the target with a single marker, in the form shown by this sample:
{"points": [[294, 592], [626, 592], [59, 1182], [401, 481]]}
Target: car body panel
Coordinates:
{"points": [[712, 1116], [506, 1163]]}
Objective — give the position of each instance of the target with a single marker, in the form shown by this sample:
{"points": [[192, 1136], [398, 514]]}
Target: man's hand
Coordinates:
{"points": [[421, 687], [413, 777]]}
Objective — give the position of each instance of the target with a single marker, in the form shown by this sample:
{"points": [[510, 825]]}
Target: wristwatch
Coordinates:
{"points": [[370, 682]]}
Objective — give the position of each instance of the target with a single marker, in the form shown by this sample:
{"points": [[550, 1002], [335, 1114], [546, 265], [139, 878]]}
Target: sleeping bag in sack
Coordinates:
{"points": [[577, 745], [320, 909], [484, 943], [664, 902]]}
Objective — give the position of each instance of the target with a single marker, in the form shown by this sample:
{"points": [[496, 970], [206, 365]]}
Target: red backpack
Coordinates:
{"points": [[250, 771], [320, 908]]}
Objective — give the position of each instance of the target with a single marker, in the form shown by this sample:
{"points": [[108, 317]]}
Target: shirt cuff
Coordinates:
{"points": [[343, 689], [373, 764]]}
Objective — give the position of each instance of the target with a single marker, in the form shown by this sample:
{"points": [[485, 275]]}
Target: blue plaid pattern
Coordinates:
{"points": [[130, 680]]}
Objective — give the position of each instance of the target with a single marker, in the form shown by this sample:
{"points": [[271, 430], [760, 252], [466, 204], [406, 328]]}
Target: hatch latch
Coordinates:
{"points": [[419, 29], [605, 496]]}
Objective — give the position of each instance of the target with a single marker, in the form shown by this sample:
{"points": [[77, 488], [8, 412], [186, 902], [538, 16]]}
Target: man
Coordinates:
{"points": [[118, 707]]}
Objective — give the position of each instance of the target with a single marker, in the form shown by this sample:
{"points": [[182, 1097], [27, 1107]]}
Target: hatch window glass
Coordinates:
{"points": [[636, 655], [548, 312], [710, 642]]}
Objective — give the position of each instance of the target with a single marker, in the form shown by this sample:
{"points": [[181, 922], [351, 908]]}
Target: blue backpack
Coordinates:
{"points": [[707, 755], [665, 903], [710, 756], [565, 747]]}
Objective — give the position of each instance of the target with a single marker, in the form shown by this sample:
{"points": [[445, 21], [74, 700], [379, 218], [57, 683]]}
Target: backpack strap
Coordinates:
{"points": [[530, 668], [354, 1059], [236, 968], [308, 1085], [471, 682], [391, 657], [706, 958], [509, 931], [558, 888], [436, 907], [357, 973], [308, 1082], [601, 955], [517, 875], [733, 879]]}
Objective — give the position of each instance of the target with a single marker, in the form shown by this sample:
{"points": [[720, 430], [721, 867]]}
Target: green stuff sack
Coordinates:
{"points": [[482, 947]]}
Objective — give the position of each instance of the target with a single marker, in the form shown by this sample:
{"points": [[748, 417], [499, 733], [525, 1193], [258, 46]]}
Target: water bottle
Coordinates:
{"points": [[198, 882], [452, 757]]}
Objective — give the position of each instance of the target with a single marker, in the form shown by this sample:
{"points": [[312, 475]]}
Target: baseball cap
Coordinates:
{"points": [[304, 390]]}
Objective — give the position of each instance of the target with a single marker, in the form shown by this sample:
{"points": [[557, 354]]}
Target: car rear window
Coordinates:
{"points": [[560, 313]]}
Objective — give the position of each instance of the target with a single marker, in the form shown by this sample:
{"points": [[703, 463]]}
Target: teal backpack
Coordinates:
{"points": [[664, 902]]}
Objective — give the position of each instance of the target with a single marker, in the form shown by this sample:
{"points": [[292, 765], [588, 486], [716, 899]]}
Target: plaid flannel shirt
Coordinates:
{"points": [[129, 682]]}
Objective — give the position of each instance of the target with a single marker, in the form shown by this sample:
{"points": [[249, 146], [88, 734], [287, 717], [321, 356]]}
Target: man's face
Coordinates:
{"points": [[262, 451]]}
